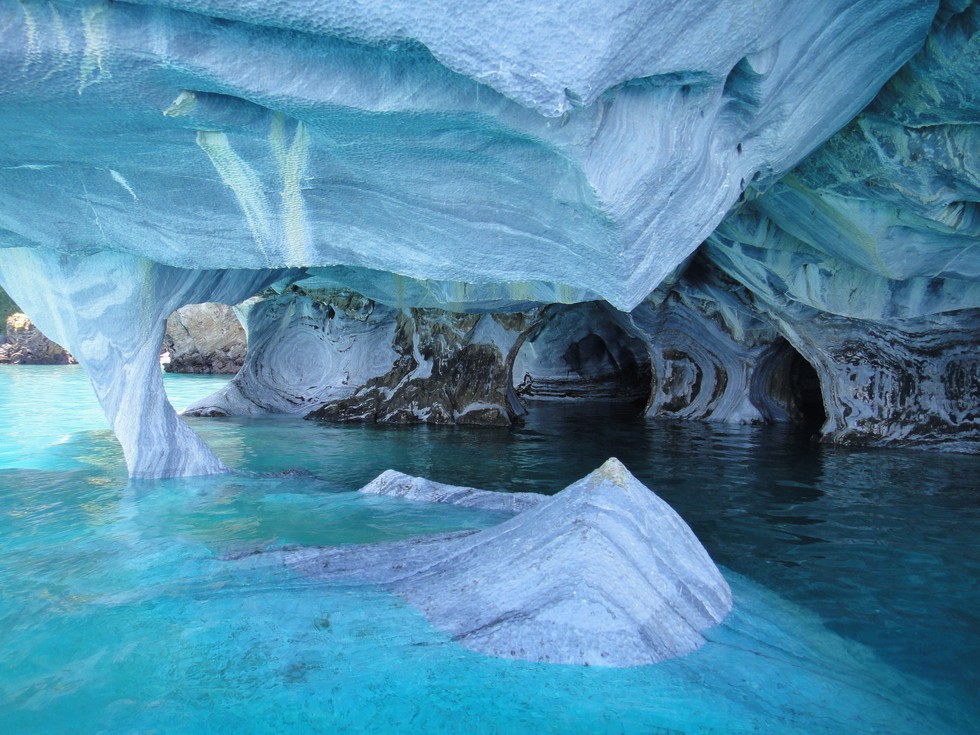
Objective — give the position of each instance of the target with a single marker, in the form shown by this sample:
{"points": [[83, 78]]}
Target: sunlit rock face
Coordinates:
{"points": [[22, 343], [603, 573], [204, 338]]}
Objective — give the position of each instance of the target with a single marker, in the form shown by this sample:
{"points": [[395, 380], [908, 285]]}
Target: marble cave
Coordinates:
{"points": [[721, 213]]}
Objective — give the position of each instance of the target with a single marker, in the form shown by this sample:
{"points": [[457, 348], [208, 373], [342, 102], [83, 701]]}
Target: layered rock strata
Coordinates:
{"points": [[603, 573], [337, 356], [492, 160], [450, 369], [303, 353], [592, 146]]}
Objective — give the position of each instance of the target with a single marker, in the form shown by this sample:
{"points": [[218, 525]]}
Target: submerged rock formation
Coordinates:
{"points": [[21, 343], [491, 159], [603, 573], [204, 338]]}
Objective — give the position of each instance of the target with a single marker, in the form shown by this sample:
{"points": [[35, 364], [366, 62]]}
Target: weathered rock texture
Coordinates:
{"points": [[337, 356], [866, 256], [587, 145], [21, 343], [603, 573], [581, 351], [450, 369], [304, 353], [204, 338], [399, 485], [110, 311], [493, 157], [707, 343]]}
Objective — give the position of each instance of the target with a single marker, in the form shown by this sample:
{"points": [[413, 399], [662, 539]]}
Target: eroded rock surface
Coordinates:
{"points": [[110, 310], [580, 351], [498, 145], [496, 157], [450, 369], [603, 573], [399, 485], [204, 338], [22, 343]]}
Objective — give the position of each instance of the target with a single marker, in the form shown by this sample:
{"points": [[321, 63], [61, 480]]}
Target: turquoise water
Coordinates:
{"points": [[854, 574]]}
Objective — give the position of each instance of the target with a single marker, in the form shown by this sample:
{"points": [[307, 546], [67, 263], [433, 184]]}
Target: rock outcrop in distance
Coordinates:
{"points": [[204, 338], [22, 343], [603, 573]]}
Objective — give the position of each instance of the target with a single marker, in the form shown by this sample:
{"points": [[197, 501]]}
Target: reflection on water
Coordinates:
{"points": [[115, 596]]}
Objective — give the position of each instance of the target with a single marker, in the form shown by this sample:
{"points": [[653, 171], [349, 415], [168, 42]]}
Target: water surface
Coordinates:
{"points": [[854, 575]]}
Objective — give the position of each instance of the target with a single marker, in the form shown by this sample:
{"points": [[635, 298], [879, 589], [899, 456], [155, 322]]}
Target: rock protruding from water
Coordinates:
{"points": [[204, 338], [603, 573], [399, 485], [26, 345]]}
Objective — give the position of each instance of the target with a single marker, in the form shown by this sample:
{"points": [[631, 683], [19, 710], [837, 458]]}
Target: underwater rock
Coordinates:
{"points": [[399, 485], [603, 573], [22, 343], [204, 338]]}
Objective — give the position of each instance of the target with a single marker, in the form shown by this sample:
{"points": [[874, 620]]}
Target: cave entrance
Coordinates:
{"points": [[581, 354], [788, 388], [205, 339], [203, 348]]}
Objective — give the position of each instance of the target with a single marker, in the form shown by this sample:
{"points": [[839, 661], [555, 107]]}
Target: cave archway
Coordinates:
{"points": [[580, 353], [206, 338], [786, 386]]}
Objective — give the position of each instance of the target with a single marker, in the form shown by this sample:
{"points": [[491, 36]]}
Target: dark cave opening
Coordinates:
{"points": [[786, 387], [805, 386], [581, 354]]}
